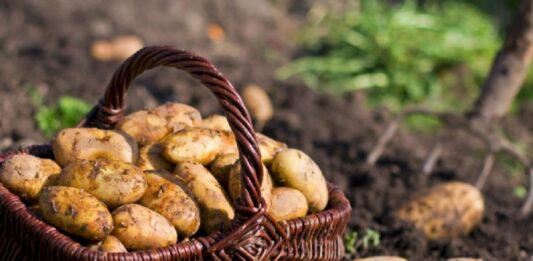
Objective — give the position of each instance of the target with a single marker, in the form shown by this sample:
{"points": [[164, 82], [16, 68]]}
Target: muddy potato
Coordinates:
{"points": [[268, 147], [293, 168], [26, 175], [109, 244], [287, 203], [170, 197], [448, 210], [234, 184], [73, 144], [149, 126], [216, 122], [113, 182], [221, 166], [139, 228], [198, 145], [76, 211], [216, 211], [151, 158]]}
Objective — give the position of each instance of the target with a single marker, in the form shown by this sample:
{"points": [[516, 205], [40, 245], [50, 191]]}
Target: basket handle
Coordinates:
{"points": [[110, 109]]}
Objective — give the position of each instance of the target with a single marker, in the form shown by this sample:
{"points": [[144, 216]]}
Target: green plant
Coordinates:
{"points": [[354, 244], [400, 54], [64, 114]]}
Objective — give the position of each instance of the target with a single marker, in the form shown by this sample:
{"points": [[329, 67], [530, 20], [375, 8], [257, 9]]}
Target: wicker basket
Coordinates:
{"points": [[253, 235]]}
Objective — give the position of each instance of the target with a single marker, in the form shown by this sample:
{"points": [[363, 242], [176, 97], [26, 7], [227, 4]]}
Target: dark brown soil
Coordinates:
{"points": [[45, 44]]}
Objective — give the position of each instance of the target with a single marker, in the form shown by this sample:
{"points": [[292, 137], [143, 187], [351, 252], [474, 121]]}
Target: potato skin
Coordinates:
{"points": [[26, 175], [76, 211], [113, 182], [151, 158], [216, 122], [149, 126], [109, 244], [293, 168], [73, 144], [221, 166], [170, 197], [140, 228], [268, 147], [216, 211], [447, 210], [234, 184], [198, 145], [287, 203]]}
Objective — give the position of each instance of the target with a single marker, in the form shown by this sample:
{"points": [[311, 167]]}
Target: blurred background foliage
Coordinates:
{"points": [[431, 53]]}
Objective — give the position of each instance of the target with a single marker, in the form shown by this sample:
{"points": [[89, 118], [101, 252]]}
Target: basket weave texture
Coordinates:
{"points": [[253, 234]]}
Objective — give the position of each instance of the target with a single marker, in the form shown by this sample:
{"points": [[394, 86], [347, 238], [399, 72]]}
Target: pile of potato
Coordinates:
{"points": [[161, 173]]}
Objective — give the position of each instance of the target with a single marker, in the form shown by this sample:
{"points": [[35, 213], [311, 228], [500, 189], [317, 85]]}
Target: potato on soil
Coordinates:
{"points": [[151, 158], [234, 184], [258, 103], [216, 122], [73, 144], [76, 211], [109, 244], [119, 48], [139, 228], [221, 166], [149, 126], [448, 210], [113, 182], [216, 211], [293, 168], [268, 147], [198, 145], [287, 203], [26, 175], [170, 197]]}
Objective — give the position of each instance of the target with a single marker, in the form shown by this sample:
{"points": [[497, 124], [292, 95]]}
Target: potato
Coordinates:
{"points": [[73, 144], [140, 228], [448, 210], [170, 197], [234, 184], [36, 211], [198, 145], [216, 211], [216, 122], [26, 175], [119, 48], [113, 182], [76, 211], [221, 166], [293, 168], [151, 158], [287, 203], [258, 103], [268, 147], [149, 126], [109, 244]]}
